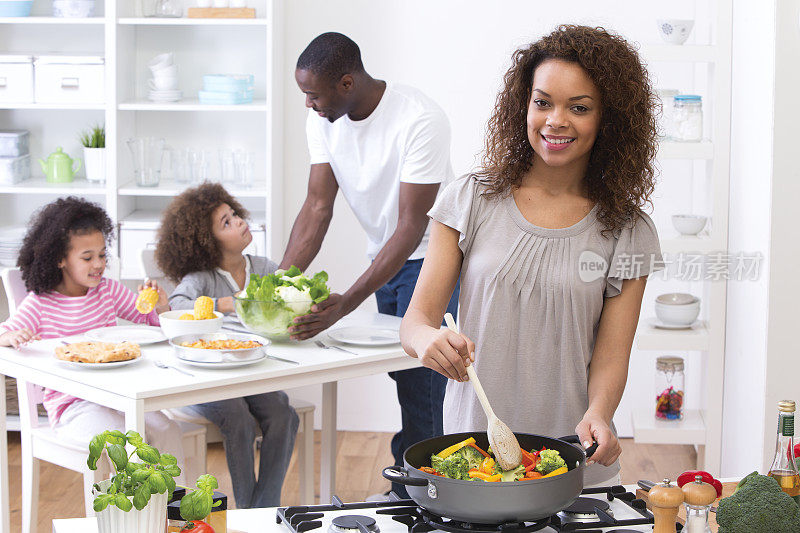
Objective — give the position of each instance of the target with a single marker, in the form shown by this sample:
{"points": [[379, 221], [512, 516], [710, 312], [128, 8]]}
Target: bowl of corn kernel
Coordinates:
{"points": [[202, 319]]}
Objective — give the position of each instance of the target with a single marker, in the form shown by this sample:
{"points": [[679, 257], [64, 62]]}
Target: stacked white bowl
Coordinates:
{"points": [[677, 309], [163, 86], [10, 243]]}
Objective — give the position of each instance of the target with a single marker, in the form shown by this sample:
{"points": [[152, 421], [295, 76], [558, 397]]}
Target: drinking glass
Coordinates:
{"points": [[245, 167], [199, 162], [147, 154], [168, 8], [227, 168]]}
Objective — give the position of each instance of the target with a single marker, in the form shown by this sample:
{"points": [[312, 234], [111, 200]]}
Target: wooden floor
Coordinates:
{"points": [[359, 460]]}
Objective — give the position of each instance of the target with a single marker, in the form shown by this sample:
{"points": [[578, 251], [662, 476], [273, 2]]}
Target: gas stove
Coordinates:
{"points": [[603, 509]]}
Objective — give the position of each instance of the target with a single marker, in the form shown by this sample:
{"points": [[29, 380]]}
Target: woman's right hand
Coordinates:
{"points": [[446, 352], [18, 338]]}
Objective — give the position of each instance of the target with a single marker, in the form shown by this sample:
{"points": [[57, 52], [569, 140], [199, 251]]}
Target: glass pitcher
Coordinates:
{"points": [[147, 154]]}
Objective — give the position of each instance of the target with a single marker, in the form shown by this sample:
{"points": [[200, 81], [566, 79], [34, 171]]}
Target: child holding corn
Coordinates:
{"points": [[62, 259], [200, 243]]}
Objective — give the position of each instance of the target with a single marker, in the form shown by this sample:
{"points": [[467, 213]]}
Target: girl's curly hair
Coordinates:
{"points": [[186, 242], [47, 241], [621, 173]]}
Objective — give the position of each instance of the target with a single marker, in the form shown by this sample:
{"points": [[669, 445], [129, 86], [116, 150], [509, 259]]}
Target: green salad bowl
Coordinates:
{"points": [[268, 318]]}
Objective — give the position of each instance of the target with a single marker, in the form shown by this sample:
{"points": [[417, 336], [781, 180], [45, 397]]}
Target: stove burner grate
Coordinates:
{"points": [[352, 523], [300, 519]]}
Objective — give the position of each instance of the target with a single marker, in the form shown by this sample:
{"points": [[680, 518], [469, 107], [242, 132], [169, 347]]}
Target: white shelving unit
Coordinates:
{"points": [[128, 41], [701, 427]]}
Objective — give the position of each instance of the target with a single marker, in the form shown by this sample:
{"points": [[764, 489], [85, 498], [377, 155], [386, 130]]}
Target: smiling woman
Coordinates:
{"points": [[542, 238]]}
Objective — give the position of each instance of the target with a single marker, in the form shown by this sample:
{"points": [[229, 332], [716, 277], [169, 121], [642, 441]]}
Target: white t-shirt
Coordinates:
{"points": [[405, 139]]}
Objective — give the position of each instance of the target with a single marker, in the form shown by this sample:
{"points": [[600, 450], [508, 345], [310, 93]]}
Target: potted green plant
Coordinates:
{"points": [[146, 486], [198, 504], [94, 153]]}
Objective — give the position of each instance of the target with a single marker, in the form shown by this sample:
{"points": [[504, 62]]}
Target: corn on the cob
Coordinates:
{"points": [[186, 316], [203, 308], [147, 300]]}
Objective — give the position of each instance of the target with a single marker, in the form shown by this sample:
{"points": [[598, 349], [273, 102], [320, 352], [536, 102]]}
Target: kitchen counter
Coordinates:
{"points": [[263, 520]]}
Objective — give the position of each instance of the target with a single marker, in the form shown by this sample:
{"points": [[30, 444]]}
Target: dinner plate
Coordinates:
{"points": [[365, 335], [99, 366], [656, 323], [141, 335], [224, 364]]}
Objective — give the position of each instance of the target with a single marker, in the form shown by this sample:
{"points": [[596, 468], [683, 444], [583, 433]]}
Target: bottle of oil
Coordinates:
{"points": [[783, 468]]}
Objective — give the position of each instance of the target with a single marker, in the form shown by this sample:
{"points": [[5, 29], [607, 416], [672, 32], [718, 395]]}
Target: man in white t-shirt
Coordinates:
{"points": [[387, 147]]}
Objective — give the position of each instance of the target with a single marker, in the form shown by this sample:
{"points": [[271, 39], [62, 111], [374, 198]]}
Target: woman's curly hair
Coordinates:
{"points": [[621, 173], [186, 242], [47, 241]]}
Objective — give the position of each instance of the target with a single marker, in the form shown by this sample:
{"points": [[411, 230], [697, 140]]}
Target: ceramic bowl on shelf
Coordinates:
{"points": [[689, 224], [15, 8], [675, 31], [173, 327], [73, 8], [677, 309]]}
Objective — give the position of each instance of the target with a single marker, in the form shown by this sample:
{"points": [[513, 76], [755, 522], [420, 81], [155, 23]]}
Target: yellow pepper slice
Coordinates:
{"points": [[485, 477], [447, 452], [557, 472]]}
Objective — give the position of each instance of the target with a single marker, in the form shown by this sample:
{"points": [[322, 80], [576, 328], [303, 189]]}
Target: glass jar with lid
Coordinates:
{"points": [[687, 118], [669, 384], [665, 125]]}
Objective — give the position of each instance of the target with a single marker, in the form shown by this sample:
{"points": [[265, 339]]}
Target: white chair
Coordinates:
{"points": [[305, 410], [147, 262], [39, 442]]}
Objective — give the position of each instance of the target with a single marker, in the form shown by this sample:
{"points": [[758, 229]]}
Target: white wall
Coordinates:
{"points": [[782, 363], [457, 51], [753, 79]]}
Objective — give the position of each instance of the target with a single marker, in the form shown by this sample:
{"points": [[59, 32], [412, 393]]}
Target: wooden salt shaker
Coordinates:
{"points": [[665, 498], [698, 497]]}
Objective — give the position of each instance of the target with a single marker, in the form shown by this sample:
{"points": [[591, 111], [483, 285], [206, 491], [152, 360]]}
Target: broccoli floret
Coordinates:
{"points": [[473, 456], [758, 506], [549, 460], [454, 466], [513, 475]]}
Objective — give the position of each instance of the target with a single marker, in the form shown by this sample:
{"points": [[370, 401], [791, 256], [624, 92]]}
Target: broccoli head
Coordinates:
{"points": [[758, 506], [513, 475], [549, 460], [473, 456], [454, 466]]}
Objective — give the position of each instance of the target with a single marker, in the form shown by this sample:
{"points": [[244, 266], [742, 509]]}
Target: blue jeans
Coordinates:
{"points": [[420, 391], [238, 420]]}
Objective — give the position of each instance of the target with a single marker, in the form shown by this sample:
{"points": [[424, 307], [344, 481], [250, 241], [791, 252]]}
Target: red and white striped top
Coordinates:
{"points": [[54, 315]]}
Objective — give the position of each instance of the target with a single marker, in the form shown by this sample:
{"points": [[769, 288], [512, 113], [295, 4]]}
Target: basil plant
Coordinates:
{"points": [[134, 482]]}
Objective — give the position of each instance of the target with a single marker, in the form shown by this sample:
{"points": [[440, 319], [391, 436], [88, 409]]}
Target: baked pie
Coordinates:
{"points": [[98, 352]]}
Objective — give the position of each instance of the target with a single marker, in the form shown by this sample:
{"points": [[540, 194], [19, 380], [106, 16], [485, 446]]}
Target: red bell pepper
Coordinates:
{"points": [[527, 458], [690, 475]]}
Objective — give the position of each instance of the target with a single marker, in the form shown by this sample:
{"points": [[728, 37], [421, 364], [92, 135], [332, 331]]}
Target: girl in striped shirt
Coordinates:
{"points": [[62, 259]]}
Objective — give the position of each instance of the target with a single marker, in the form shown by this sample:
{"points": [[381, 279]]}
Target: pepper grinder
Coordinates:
{"points": [[665, 498], [698, 497]]}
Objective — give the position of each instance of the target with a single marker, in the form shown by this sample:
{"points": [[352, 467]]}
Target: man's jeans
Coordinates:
{"points": [[420, 391], [238, 420]]}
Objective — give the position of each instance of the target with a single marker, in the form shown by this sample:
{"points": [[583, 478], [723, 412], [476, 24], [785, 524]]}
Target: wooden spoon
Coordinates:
{"points": [[505, 445]]}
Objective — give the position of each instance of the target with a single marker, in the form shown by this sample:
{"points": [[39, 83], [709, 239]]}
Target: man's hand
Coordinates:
{"points": [[322, 316]]}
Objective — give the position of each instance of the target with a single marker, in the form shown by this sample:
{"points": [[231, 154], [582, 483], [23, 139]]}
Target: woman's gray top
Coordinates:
{"points": [[214, 283], [531, 299]]}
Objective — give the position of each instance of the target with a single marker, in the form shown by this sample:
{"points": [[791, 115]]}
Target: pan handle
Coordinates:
{"points": [[399, 474], [574, 439]]}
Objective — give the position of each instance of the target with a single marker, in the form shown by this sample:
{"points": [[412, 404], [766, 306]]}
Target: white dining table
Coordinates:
{"points": [[142, 386]]}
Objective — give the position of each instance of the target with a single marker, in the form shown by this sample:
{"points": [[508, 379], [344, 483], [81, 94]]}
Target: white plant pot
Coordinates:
{"points": [[94, 160], [151, 519]]}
